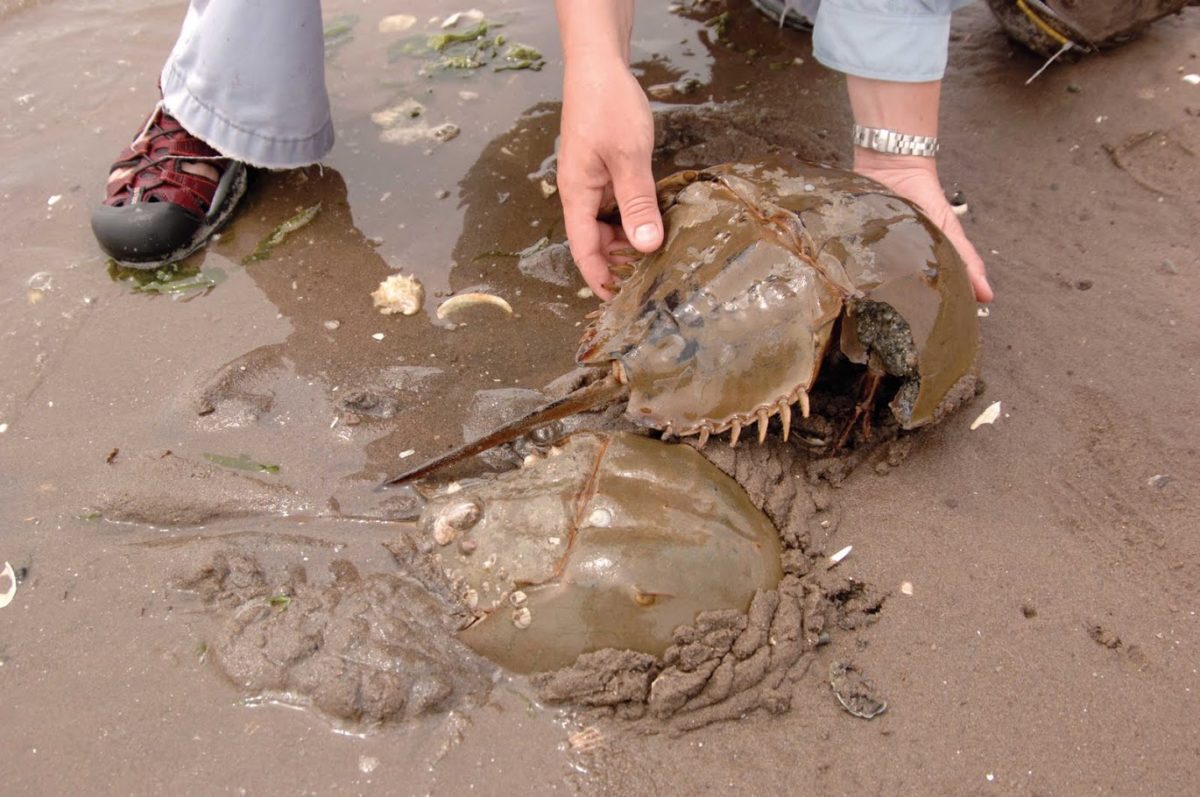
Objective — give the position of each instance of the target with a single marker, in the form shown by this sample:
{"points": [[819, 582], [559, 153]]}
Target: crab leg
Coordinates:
{"points": [[705, 431], [863, 408], [735, 431], [585, 398], [763, 420], [785, 415]]}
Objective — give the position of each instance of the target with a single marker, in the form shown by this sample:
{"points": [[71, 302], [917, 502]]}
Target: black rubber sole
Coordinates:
{"points": [[149, 235]]}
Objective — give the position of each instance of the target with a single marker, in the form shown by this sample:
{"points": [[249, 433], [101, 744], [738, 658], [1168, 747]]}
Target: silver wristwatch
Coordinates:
{"points": [[893, 143]]}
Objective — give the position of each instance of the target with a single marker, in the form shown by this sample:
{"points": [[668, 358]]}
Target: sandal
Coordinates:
{"points": [[155, 212]]}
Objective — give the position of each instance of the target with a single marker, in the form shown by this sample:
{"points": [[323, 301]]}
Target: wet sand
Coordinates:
{"points": [[1049, 643]]}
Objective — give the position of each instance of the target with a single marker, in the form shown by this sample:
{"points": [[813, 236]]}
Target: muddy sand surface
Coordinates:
{"points": [[1023, 596]]}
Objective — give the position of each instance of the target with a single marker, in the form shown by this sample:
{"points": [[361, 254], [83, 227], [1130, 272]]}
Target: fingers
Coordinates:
{"points": [[585, 236], [945, 217], [633, 185], [948, 221]]}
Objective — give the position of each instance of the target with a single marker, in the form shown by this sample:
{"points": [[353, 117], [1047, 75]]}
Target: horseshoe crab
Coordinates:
{"points": [[609, 541], [728, 323]]}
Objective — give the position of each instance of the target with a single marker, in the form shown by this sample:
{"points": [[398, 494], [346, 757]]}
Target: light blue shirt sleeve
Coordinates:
{"points": [[901, 40]]}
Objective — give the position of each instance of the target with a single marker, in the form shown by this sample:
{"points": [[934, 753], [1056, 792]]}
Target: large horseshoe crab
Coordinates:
{"points": [[610, 541], [728, 323]]}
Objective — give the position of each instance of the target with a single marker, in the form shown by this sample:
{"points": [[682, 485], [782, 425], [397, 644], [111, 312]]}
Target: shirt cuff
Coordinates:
{"points": [[903, 42]]}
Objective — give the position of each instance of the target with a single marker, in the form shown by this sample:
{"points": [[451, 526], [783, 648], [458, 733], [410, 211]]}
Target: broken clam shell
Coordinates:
{"points": [[465, 300]]}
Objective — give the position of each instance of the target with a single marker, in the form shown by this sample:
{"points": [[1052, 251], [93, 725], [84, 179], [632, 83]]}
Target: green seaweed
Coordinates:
{"points": [[466, 51], [451, 62], [281, 601], [719, 25], [241, 462], [280, 234], [440, 41], [173, 278], [338, 31], [521, 56]]}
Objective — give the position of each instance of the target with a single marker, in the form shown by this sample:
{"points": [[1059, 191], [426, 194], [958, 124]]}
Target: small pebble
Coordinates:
{"points": [[1084, 285], [332, 324], [906, 588], [378, 336], [1170, 267], [442, 193], [3, 428], [1160, 480], [1074, 88], [809, 187]]}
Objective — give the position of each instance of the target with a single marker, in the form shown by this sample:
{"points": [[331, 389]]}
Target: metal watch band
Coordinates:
{"points": [[893, 143]]}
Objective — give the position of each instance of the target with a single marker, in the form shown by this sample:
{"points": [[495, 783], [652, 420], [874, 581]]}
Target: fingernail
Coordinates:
{"points": [[645, 234]]}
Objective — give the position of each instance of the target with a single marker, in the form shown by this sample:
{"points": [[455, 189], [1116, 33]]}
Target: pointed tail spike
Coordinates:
{"points": [[785, 415], [585, 398], [735, 431], [763, 420]]}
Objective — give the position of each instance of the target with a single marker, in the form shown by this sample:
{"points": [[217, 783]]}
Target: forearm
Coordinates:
{"points": [[595, 29], [905, 107]]}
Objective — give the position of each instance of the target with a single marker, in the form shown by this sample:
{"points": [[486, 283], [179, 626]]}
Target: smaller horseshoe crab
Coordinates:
{"points": [[762, 268], [610, 541]]}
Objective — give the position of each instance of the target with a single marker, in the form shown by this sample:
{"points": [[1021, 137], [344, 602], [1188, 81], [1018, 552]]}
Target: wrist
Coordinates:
{"points": [[868, 160]]}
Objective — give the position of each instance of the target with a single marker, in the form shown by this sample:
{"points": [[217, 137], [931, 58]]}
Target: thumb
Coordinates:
{"points": [[633, 186]]}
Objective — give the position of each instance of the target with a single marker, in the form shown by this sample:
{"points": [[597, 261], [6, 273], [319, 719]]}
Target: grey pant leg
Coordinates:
{"points": [[248, 78]]}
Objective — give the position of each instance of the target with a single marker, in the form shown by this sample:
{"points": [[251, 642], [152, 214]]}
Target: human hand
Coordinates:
{"points": [[915, 178], [604, 154]]}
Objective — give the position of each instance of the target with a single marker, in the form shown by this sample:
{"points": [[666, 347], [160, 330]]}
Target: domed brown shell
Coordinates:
{"points": [[613, 541], [729, 321]]}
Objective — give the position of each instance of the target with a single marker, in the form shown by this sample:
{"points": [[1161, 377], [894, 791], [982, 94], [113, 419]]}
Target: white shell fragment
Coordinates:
{"points": [[587, 739], [470, 17], [397, 23], [983, 312], [840, 555], [522, 618], [7, 596], [464, 300], [906, 588], [399, 293], [443, 532], [987, 416], [600, 518], [406, 453], [1192, 78]]}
